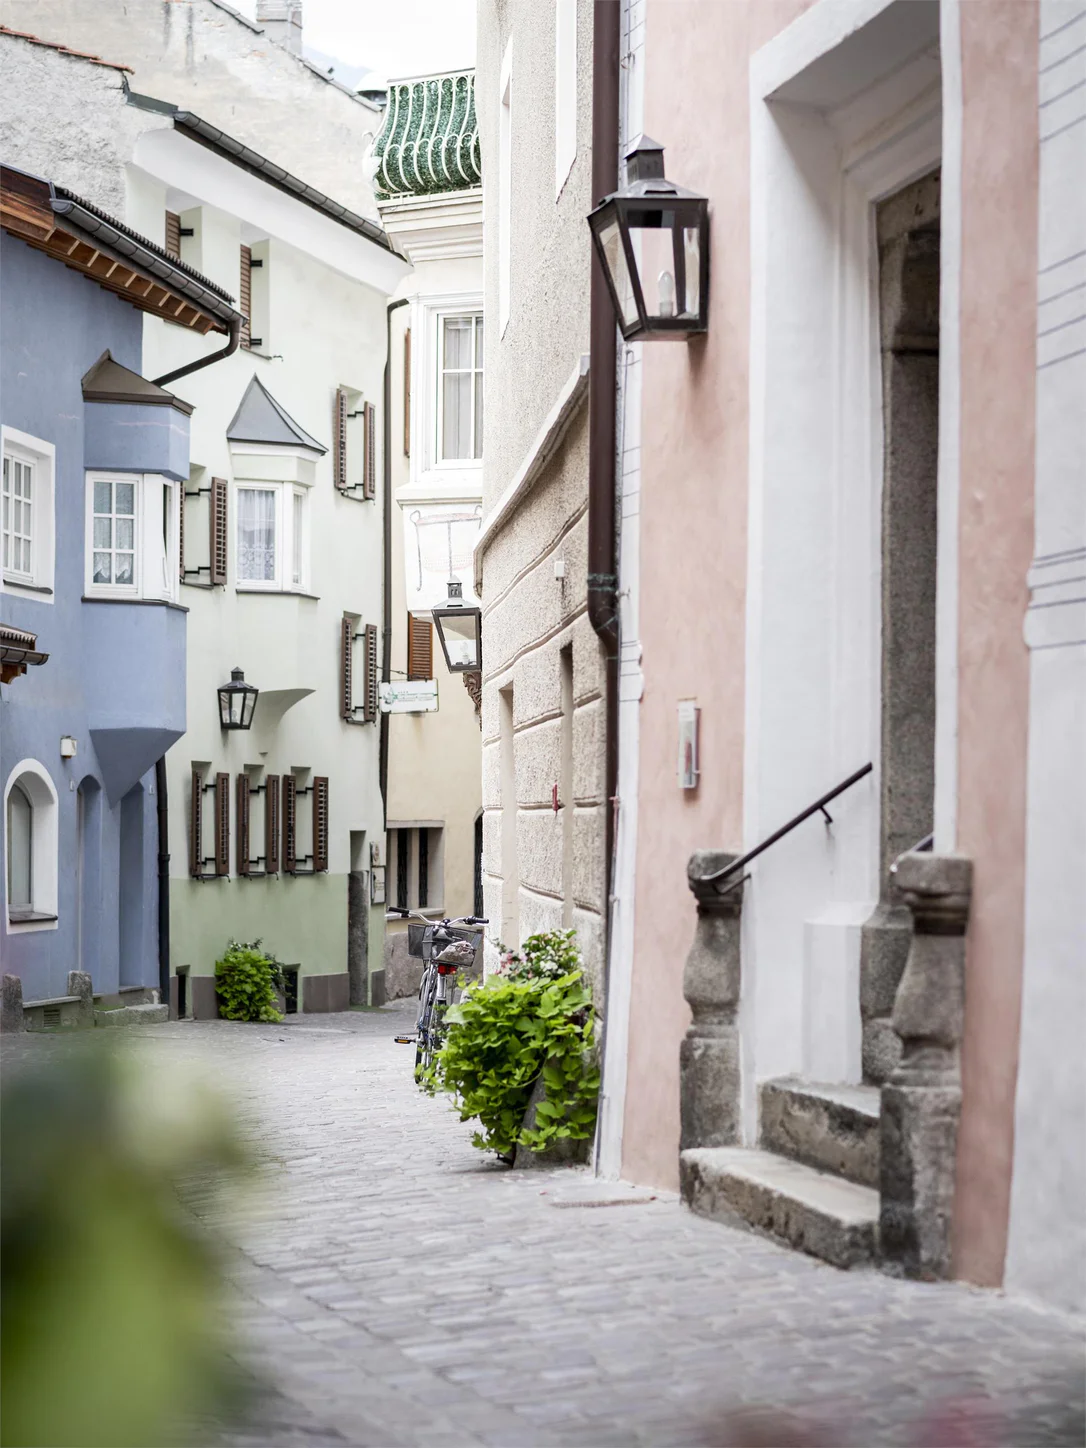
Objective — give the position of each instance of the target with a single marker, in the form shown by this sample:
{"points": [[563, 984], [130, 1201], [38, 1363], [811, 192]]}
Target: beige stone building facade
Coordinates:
{"points": [[544, 668]]}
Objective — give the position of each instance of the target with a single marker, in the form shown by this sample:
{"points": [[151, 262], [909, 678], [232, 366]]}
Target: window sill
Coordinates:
{"points": [[277, 592], [20, 585], [140, 602], [17, 916]]}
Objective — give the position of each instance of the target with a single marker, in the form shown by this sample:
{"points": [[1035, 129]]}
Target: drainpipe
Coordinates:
{"points": [[163, 812], [386, 638], [231, 347], [602, 560]]}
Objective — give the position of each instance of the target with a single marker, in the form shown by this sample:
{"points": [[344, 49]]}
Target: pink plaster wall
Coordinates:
{"points": [[998, 329], [694, 540]]}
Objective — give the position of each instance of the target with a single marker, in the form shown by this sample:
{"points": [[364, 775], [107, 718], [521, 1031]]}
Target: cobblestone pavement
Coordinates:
{"points": [[399, 1288]]}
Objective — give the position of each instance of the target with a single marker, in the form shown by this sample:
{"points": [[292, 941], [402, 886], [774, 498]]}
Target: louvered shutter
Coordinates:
{"points": [[320, 824], [242, 816], [222, 824], [219, 541], [339, 440], [245, 295], [371, 696], [369, 464], [420, 648], [290, 824], [271, 824], [196, 826], [346, 668], [173, 235], [407, 393]]}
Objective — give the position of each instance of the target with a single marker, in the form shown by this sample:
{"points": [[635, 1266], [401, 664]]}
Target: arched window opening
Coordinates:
{"points": [[20, 850]]}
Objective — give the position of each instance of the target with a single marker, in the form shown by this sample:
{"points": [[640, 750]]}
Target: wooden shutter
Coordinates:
{"points": [[219, 542], [369, 440], [242, 813], [271, 824], [290, 824], [173, 235], [407, 393], [222, 824], [370, 695], [196, 826], [320, 823], [420, 648], [245, 295], [339, 440], [346, 668]]}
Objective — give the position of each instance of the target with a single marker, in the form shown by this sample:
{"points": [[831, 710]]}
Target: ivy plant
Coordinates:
{"points": [[246, 980], [514, 1029]]}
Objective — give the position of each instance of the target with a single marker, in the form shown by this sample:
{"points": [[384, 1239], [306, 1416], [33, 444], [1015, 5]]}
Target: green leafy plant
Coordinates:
{"points": [[513, 1030], [546, 956], [246, 979]]}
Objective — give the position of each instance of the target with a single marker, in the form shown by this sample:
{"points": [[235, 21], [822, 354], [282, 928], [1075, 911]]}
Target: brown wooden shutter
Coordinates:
{"points": [[173, 235], [243, 802], [320, 823], [339, 440], [369, 464], [219, 540], [271, 824], [245, 295], [290, 824], [407, 393], [371, 695], [420, 648], [196, 826], [222, 824], [346, 668]]}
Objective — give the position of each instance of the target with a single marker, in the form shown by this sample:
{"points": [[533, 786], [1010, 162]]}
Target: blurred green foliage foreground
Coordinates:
{"points": [[113, 1329]]}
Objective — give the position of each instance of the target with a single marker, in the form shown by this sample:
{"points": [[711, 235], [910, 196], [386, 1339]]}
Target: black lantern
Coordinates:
{"points": [[237, 700], [652, 238], [460, 630]]}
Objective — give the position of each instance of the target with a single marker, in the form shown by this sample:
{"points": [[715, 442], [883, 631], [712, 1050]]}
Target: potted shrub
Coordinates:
{"points": [[248, 982]]}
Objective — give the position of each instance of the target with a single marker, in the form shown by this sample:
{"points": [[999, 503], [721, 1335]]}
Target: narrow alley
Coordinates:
{"points": [[398, 1287]]}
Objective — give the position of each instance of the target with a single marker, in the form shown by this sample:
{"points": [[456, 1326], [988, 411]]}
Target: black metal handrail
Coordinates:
{"points": [[819, 804]]}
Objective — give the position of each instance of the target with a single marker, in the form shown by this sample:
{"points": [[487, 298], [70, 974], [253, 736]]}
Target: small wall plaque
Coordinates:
{"points": [[689, 764]]}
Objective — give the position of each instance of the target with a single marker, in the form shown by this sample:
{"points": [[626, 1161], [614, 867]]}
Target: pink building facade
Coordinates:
{"points": [[853, 531]]}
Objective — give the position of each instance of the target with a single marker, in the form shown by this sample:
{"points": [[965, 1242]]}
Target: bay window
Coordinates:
{"points": [[272, 537], [133, 537]]}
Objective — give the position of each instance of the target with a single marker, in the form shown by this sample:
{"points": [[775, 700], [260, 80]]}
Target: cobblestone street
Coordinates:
{"points": [[399, 1288]]}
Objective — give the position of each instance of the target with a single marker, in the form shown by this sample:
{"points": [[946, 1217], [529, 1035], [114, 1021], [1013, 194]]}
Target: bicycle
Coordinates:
{"points": [[456, 947]]}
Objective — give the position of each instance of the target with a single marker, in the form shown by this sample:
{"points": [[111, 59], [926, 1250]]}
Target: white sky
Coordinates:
{"points": [[394, 37]]}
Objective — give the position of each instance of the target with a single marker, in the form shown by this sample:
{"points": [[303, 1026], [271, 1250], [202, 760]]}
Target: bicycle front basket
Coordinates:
{"points": [[416, 936]]}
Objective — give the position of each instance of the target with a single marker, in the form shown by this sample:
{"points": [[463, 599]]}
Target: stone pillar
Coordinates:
{"points": [[358, 936], [709, 1056], [921, 1102], [11, 1005], [80, 984]]}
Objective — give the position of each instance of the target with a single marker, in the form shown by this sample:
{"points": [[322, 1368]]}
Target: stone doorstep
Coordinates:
{"points": [[141, 1015], [832, 1128], [810, 1210]]}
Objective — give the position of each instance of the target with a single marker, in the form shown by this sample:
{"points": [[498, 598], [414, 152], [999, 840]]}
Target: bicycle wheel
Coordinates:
{"points": [[424, 1049]]}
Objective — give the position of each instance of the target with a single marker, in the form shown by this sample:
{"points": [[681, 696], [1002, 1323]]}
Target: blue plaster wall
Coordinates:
{"points": [[114, 668], [133, 438]]}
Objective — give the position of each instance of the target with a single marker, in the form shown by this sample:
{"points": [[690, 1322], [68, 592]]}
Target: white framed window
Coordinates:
{"points": [[133, 536], [271, 541], [505, 183], [27, 513], [30, 848], [565, 91], [460, 388]]}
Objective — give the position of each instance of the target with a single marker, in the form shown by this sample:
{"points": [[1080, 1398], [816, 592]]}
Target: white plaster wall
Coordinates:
{"points": [[1046, 1251]]}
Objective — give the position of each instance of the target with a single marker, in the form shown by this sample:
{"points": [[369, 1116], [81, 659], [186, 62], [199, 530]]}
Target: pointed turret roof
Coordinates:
{"points": [[261, 419]]}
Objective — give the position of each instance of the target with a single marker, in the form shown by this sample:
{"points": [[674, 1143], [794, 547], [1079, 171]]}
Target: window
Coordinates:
{"points": [[30, 848], [505, 183], [272, 537], [133, 536], [417, 853], [26, 513], [460, 418], [565, 91]]}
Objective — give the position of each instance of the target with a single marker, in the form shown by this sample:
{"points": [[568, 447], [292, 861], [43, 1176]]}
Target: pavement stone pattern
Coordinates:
{"points": [[398, 1287]]}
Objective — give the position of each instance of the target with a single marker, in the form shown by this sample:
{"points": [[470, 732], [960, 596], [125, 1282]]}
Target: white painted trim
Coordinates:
{"points": [[555, 426], [565, 91], [813, 34], [44, 845], [505, 185], [42, 456], [949, 487], [428, 473]]}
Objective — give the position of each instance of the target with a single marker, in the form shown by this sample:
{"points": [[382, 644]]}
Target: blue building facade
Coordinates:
{"points": [[94, 459]]}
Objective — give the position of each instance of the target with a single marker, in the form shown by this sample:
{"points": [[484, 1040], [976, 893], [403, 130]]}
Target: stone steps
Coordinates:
{"points": [[831, 1128], [141, 1015], [810, 1210]]}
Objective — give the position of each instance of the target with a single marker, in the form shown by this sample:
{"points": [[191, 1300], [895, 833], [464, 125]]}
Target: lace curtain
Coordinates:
{"points": [[256, 535]]}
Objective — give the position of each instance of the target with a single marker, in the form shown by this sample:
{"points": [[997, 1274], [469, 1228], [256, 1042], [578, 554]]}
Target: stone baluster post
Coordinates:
{"points": [[709, 1056], [11, 1005], [921, 1102], [80, 984]]}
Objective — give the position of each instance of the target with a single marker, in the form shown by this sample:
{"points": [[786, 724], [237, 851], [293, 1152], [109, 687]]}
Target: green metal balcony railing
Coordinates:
{"points": [[430, 142]]}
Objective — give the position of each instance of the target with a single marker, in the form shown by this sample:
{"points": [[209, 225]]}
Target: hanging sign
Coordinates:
{"points": [[409, 696]]}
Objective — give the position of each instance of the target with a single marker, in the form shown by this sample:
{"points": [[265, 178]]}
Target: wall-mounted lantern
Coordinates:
{"points": [[237, 700], [652, 238], [460, 630]]}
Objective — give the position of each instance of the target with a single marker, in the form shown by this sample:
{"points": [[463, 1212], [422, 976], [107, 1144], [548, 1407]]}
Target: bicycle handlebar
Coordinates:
{"points": [[426, 920]]}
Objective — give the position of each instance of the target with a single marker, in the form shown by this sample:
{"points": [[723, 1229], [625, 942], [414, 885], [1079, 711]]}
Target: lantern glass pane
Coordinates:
{"points": [[237, 703], [615, 258], [461, 640], [692, 258], [248, 705]]}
